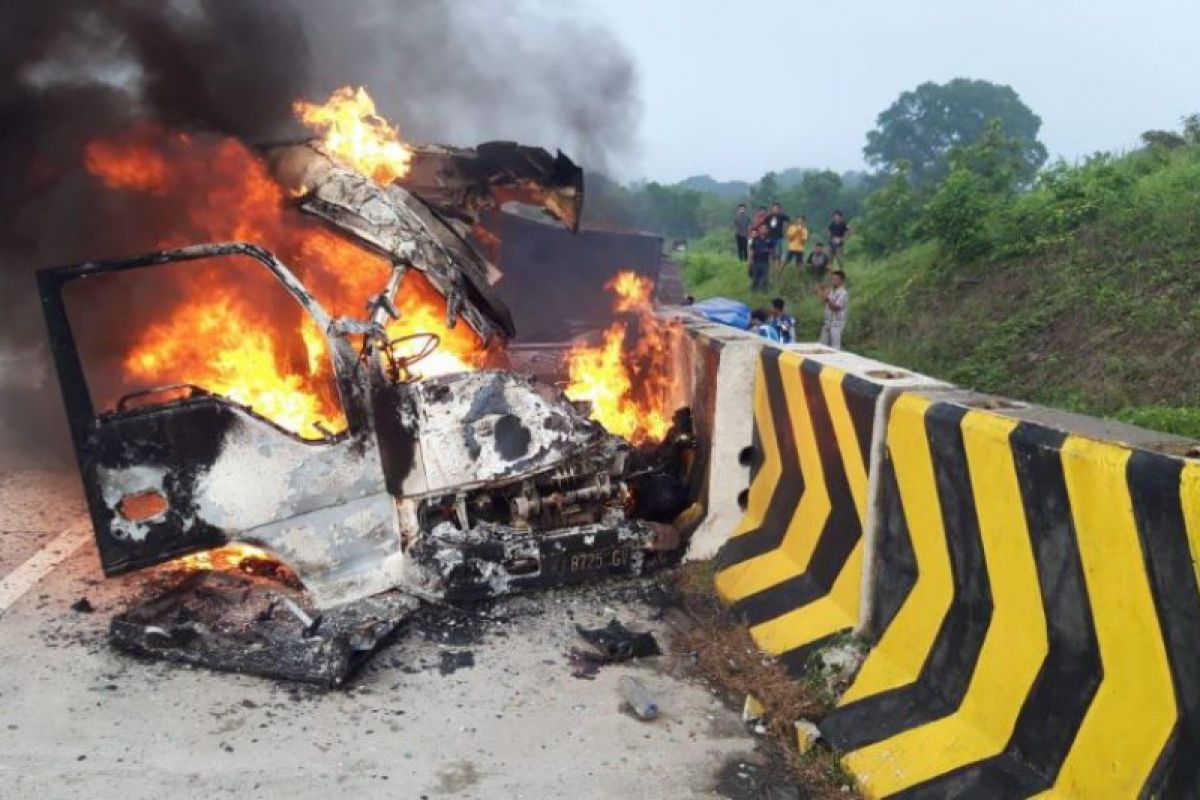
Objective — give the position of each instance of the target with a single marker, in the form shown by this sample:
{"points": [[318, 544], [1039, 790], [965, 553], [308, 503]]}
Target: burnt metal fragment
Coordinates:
{"points": [[615, 643], [240, 623]]}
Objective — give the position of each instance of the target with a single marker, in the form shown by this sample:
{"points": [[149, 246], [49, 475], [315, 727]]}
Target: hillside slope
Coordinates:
{"points": [[1088, 297]]}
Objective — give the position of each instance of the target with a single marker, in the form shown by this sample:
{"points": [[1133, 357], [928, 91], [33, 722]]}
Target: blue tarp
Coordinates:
{"points": [[725, 311]]}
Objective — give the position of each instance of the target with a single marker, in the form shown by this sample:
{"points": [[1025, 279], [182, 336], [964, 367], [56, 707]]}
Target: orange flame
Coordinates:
{"points": [[626, 381], [228, 557], [354, 133], [247, 339]]}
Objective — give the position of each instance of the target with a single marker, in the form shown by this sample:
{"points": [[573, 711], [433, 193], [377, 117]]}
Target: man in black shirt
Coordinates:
{"points": [[741, 231], [818, 262], [760, 260], [777, 223], [839, 231]]}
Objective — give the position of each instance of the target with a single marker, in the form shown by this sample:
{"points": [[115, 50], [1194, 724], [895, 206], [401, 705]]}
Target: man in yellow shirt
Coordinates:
{"points": [[797, 239]]}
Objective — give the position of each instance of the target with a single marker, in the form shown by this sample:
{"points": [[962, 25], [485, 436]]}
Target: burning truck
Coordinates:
{"points": [[343, 408]]}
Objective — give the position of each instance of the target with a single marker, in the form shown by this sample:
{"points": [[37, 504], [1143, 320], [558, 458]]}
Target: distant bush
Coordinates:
{"points": [[890, 216], [957, 215]]}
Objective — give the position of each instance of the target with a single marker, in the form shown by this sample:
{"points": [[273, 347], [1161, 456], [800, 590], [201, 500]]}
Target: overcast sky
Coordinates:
{"points": [[734, 89]]}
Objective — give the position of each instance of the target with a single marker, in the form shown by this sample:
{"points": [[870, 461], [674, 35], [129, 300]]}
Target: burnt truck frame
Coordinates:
{"points": [[458, 487]]}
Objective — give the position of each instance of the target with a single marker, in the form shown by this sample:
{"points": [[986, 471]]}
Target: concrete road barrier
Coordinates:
{"points": [[793, 567], [713, 373], [1036, 608]]}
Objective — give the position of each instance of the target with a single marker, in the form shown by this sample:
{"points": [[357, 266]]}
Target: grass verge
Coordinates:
{"points": [[724, 654]]}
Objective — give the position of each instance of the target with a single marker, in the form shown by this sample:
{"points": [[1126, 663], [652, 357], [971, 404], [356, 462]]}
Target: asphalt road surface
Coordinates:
{"points": [[488, 710]]}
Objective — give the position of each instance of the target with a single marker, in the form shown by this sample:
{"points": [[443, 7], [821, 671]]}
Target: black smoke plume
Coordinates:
{"points": [[75, 70]]}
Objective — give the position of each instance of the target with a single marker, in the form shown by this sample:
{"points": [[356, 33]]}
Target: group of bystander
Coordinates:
{"points": [[770, 238]]}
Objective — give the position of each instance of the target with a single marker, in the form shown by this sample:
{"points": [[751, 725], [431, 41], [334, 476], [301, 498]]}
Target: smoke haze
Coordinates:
{"points": [[75, 70]]}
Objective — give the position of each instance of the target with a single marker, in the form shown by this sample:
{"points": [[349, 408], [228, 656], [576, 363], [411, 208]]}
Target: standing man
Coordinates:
{"points": [[836, 302], [839, 231], [777, 223], [797, 240], [783, 322], [760, 259], [818, 262], [741, 231], [760, 216]]}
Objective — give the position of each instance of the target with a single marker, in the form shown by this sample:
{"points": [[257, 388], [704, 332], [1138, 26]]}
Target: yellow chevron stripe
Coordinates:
{"points": [[904, 646], [847, 439], [1015, 645], [790, 558], [839, 609], [1190, 493], [804, 530], [1133, 712], [834, 612]]}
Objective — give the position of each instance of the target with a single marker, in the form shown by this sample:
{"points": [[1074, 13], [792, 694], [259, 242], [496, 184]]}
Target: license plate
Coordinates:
{"points": [[589, 562]]}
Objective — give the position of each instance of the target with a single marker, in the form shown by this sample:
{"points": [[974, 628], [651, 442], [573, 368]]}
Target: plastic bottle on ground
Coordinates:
{"points": [[638, 697]]}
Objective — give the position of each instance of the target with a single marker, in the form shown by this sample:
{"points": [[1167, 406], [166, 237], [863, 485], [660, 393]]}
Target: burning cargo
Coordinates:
{"points": [[366, 433]]}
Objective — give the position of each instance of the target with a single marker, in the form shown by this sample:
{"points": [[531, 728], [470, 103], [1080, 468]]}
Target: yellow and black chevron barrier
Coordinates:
{"points": [[793, 567], [1038, 614]]}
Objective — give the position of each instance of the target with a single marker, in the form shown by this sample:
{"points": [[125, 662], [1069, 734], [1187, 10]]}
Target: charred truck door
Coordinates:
{"points": [[177, 470]]}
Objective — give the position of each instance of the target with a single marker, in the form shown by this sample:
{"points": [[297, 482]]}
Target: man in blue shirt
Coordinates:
{"points": [[783, 322], [760, 325]]}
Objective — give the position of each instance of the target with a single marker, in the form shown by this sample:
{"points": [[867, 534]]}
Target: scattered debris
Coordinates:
{"points": [[752, 709], [615, 643], [807, 735], [454, 660], [743, 779], [637, 697], [83, 606], [236, 623], [584, 666]]}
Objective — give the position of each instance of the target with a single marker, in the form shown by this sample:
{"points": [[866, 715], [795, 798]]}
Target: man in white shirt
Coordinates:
{"points": [[836, 302]]}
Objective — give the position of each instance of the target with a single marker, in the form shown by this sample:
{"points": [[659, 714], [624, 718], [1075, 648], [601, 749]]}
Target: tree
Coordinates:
{"points": [[1166, 140], [924, 125], [766, 191], [821, 191], [715, 212], [998, 160], [671, 211], [891, 214], [957, 214]]}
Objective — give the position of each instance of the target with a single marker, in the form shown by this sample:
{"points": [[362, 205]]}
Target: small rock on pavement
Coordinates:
{"points": [[752, 709], [83, 606]]}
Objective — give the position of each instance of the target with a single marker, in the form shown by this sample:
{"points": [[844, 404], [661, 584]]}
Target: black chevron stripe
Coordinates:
{"points": [[894, 557], [861, 398], [1154, 483], [1067, 682], [946, 674], [839, 534], [767, 536], [756, 449]]}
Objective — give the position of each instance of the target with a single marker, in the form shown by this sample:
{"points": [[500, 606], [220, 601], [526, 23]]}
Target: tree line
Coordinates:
{"points": [[926, 137]]}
